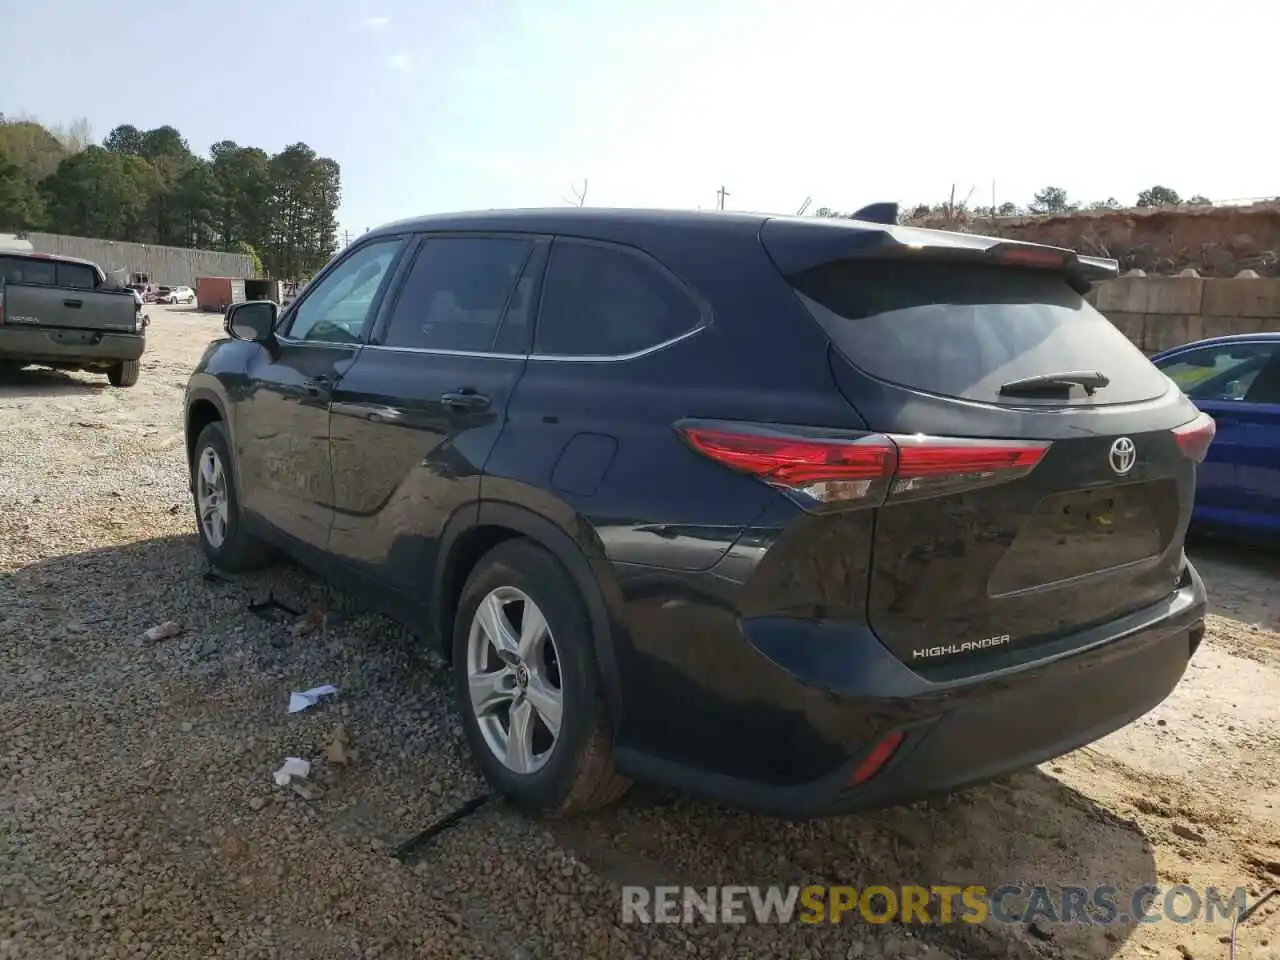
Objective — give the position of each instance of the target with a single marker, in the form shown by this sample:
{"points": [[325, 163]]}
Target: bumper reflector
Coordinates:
{"points": [[876, 759]]}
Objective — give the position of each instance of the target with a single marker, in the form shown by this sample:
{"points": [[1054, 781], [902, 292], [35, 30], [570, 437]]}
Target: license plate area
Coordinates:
{"points": [[1085, 532], [75, 338]]}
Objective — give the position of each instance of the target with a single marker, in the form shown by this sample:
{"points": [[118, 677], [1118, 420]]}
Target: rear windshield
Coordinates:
{"points": [[51, 272], [963, 330]]}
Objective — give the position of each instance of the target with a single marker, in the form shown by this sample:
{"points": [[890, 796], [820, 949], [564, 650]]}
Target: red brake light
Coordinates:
{"points": [[1016, 256], [1194, 438], [930, 466], [793, 461], [869, 469]]}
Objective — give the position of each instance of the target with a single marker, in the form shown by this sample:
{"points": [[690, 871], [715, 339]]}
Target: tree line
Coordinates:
{"points": [[147, 186], [1048, 200]]}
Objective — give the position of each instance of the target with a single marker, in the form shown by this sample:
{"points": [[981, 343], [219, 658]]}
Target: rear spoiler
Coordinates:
{"points": [[797, 244]]}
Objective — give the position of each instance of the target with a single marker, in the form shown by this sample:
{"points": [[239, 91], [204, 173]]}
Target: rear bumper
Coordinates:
{"points": [[60, 345], [956, 733]]}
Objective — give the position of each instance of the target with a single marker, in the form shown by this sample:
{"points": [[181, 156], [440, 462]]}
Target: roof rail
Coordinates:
{"points": [[877, 213]]}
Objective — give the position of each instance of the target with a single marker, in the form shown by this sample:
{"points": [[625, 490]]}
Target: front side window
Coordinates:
{"points": [[455, 293], [607, 301], [1220, 372], [337, 308]]}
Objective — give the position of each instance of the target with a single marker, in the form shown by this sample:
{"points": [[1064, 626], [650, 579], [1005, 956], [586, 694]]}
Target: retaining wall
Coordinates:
{"points": [[1157, 313]]}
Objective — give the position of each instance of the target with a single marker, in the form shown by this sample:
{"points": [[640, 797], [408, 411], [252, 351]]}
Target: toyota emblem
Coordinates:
{"points": [[1123, 455]]}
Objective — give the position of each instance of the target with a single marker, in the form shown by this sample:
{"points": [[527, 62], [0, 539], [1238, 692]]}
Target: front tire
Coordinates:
{"points": [[528, 687], [125, 373], [219, 522]]}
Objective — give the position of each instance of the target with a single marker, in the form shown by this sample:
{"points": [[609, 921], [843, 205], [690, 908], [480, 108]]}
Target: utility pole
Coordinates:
{"points": [[720, 195], [346, 238]]}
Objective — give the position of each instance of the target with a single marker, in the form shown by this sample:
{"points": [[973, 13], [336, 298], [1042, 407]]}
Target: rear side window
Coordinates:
{"points": [[455, 293], [77, 275], [963, 330], [608, 301]]}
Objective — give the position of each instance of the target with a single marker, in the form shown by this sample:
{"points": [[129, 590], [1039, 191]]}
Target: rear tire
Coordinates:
{"points": [[575, 773], [219, 521], [125, 373]]}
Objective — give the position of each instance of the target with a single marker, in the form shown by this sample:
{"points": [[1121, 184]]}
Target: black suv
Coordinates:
{"points": [[802, 515]]}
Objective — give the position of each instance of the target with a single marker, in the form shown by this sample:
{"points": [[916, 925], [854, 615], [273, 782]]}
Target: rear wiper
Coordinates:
{"points": [[1091, 380]]}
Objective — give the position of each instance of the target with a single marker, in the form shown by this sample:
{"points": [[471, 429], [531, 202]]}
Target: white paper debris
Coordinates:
{"points": [[309, 698], [163, 631], [293, 767]]}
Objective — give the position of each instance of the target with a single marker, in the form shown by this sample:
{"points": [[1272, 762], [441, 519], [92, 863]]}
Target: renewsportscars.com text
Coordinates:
{"points": [[1009, 903]]}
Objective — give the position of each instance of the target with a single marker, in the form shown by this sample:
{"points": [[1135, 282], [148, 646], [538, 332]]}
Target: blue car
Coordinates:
{"points": [[1236, 380]]}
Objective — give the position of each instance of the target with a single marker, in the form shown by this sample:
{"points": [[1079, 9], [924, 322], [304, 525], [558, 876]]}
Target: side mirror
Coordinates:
{"points": [[253, 320]]}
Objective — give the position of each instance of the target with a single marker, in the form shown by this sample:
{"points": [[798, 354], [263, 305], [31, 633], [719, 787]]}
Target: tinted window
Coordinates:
{"points": [[24, 270], [605, 301], [516, 333], [78, 275], [1221, 372], [336, 308], [963, 330], [455, 293]]}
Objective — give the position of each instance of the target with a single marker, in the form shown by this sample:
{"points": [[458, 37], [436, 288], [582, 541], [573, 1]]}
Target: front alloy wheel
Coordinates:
{"points": [[211, 497], [513, 673], [223, 536]]}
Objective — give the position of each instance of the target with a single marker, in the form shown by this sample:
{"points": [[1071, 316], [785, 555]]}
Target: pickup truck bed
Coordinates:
{"points": [[60, 313]]}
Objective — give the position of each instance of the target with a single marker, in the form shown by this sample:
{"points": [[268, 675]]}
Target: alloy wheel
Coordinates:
{"points": [[513, 676], [211, 497]]}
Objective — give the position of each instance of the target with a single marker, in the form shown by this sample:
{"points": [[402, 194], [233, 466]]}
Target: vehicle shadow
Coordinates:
{"points": [[45, 382], [1028, 829]]}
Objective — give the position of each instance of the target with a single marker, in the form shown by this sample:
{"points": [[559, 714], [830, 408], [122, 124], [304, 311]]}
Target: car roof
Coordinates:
{"points": [[1270, 336], [585, 221]]}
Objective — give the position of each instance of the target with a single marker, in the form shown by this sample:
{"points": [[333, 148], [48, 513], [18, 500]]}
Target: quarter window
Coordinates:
{"points": [[608, 301], [456, 292], [337, 308]]}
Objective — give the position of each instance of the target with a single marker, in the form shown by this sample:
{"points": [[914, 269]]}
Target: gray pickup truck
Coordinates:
{"points": [[62, 312]]}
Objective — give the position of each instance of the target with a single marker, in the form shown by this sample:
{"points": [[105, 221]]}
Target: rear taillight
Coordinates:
{"points": [[931, 466], [862, 469], [1194, 437]]}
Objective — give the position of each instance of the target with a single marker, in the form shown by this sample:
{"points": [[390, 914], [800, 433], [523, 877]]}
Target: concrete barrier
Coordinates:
{"points": [[1157, 313]]}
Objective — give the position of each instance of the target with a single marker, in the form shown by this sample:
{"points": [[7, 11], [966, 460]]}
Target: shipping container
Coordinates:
{"points": [[218, 293], [263, 290]]}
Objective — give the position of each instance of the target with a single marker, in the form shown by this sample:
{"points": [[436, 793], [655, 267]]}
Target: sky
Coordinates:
{"points": [[438, 105]]}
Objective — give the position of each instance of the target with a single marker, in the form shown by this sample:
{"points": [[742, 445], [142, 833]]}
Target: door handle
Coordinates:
{"points": [[465, 401], [73, 304]]}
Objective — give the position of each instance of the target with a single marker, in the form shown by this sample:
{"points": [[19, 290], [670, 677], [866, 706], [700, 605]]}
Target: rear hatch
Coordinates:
{"points": [[1042, 470], [45, 292]]}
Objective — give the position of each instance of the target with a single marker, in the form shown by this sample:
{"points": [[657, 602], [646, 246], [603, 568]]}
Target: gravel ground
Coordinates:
{"points": [[138, 817]]}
